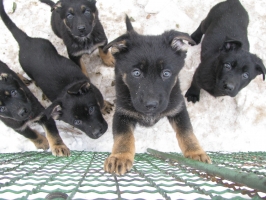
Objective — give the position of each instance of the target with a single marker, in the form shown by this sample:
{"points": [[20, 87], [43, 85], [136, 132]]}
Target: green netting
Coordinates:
{"points": [[39, 175]]}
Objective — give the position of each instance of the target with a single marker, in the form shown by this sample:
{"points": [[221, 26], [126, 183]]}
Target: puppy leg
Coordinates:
{"points": [[107, 57], [39, 140], [187, 141], [122, 157], [57, 145], [193, 93], [78, 61], [26, 81]]}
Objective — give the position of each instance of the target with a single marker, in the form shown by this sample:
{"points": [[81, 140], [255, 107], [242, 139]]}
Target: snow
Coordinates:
{"points": [[220, 124]]}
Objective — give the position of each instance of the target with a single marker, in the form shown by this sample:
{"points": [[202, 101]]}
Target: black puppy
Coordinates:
{"points": [[74, 99], [147, 89], [226, 65], [19, 108], [77, 23]]}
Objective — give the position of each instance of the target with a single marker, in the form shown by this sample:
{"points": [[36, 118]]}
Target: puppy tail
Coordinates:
{"points": [[18, 34], [48, 2]]}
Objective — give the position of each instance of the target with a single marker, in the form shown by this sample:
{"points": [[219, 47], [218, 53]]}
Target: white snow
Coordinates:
{"points": [[220, 124]]}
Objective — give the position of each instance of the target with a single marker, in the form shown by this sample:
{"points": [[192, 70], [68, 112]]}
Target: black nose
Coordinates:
{"points": [[228, 87], [22, 112], [152, 105], [81, 28]]}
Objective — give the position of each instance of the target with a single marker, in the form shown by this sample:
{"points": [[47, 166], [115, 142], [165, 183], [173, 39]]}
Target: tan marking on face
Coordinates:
{"points": [[7, 93]]}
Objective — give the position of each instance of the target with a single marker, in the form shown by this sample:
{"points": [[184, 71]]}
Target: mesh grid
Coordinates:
{"points": [[37, 175]]}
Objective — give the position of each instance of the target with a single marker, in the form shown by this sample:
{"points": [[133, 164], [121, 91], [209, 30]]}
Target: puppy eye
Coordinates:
{"points": [[77, 122], [136, 73], [87, 12], [245, 75], [227, 66], [91, 110], [14, 93], [69, 16], [166, 73], [2, 108]]}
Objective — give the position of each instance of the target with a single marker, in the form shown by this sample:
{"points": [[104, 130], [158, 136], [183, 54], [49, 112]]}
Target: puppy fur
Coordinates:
{"points": [[226, 65], [75, 100], [147, 89], [19, 108], [78, 24]]}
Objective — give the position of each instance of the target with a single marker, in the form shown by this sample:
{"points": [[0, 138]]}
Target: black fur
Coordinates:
{"points": [[19, 108], [75, 99], [226, 65], [77, 23]]}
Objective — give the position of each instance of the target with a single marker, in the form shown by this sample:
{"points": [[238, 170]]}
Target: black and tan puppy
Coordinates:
{"points": [[147, 89], [226, 65], [75, 100], [77, 23], [19, 108]]}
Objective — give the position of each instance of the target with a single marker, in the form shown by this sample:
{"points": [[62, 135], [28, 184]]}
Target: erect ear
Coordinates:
{"points": [[260, 68], [230, 44], [175, 39], [79, 88], [54, 110], [57, 6]]}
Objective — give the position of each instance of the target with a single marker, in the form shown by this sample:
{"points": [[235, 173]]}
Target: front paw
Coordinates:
{"points": [[192, 96], [41, 142], [60, 150], [198, 155], [119, 163], [107, 107]]}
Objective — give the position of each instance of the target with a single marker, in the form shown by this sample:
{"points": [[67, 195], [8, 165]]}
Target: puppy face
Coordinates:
{"points": [[236, 68], [79, 108], [148, 66], [14, 103], [78, 15]]}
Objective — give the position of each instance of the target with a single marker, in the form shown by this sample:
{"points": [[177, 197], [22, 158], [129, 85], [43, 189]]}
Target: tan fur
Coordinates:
{"points": [[83, 68], [107, 107], [190, 146], [40, 142], [108, 58], [122, 157]]}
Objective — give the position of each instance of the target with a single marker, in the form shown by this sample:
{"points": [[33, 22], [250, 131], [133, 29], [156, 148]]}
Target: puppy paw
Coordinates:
{"points": [[119, 163], [60, 150], [41, 142], [107, 108], [108, 59], [199, 155], [192, 96]]}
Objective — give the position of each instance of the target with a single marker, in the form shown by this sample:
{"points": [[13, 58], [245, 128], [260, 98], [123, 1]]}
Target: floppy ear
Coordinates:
{"points": [[79, 88], [175, 39], [230, 44], [54, 111], [57, 6], [260, 68]]}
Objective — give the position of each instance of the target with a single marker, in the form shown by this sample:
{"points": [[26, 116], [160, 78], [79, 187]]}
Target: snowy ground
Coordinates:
{"points": [[221, 124]]}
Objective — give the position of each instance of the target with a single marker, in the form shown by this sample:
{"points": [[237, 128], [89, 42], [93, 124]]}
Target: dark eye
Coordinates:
{"points": [[77, 122], [87, 12], [91, 110], [2, 108], [245, 75], [166, 73], [136, 73], [69, 16], [227, 66], [14, 93]]}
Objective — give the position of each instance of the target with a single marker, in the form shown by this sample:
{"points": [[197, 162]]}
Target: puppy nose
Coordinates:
{"points": [[81, 28], [98, 133], [22, 112], [152, 105], [229, 86]]}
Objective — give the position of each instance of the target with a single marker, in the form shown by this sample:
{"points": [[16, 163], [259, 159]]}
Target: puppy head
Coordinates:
{"points": [[79, 17], [147, 68], [236, 68], [14, 103], [79, 108]]}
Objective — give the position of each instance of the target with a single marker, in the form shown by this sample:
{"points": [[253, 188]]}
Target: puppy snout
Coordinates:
{"points": [[81, 28], [228, 87], [22, 112], [151, 105], [98, 133]]}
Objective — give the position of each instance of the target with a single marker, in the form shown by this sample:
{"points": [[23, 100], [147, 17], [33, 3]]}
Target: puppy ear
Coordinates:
{"points": [[118, 45], [79, 88], [175, 39], [231, 44], [54, 111], [129, 25], [57, 6], [260, 68]]}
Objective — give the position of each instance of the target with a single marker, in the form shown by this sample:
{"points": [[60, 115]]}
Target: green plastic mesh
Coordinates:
{"points": [[39, 175]]}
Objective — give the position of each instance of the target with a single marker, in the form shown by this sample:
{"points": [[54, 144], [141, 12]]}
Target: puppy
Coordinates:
{"points": [[19, 108], [226, 65], [147, 89], [75, 100], [77, 23]]}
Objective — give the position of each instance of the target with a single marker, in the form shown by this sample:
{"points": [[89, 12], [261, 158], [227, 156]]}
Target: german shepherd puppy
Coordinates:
{"points": [[19, 108], [226, 65], [75, 100], [147, 89], [78, 24]]}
